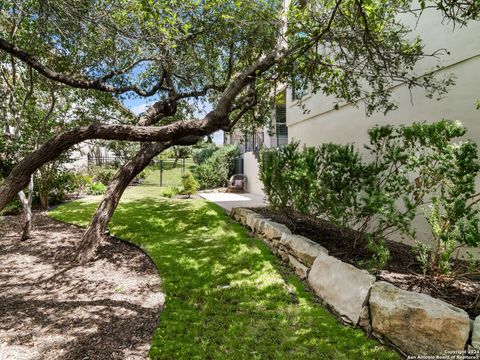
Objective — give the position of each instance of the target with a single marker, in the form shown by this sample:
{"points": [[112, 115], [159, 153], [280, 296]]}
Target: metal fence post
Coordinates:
{"points": [[161, 172]]}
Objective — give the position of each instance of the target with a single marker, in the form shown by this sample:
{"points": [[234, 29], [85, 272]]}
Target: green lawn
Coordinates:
{"points": [[171, 176], [227, 296]]}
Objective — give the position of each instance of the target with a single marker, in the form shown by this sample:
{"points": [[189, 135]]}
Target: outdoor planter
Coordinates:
{"points": [[415, 323]]}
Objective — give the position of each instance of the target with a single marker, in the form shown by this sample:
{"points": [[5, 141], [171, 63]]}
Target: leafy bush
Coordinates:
{"points": [[96, 188], [144, 173], [190, 185], [277, 174], [170, 192], [319, 182], [206, 151], [83, 181], [453, 213], [409, 167], [14, 207], [334, 194], [216, 170], [52, 184], [416, 166], [102, 174]]}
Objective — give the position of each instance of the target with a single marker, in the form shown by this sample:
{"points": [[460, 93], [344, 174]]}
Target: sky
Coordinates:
{"points": [[140, 105]]}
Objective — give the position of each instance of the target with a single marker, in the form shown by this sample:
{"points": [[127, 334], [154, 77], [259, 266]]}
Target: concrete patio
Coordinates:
{"points": [[228, 201]]}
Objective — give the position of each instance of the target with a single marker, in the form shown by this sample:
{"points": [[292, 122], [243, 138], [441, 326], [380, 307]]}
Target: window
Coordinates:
{"points": [[252, 141], [299, 87], [281, 129]]}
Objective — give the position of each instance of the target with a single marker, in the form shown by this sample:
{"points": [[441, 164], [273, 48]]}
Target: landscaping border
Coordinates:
{"points": [[417, 324]]}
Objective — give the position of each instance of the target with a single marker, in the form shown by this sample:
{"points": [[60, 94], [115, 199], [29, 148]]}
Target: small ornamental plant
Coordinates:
{"points": [[190, 185]]}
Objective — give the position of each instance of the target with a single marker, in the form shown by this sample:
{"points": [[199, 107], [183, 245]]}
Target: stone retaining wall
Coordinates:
{"points": [[416, 323]]}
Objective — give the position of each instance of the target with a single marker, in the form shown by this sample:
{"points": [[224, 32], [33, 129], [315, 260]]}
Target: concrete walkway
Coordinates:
{"points": [[228, 201]]}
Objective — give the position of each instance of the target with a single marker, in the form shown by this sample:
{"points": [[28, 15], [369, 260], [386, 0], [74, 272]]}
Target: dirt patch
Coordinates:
{"points": [[403, 270], [53, 309]]}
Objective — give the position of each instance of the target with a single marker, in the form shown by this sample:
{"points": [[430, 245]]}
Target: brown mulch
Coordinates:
{"points": [[51, 308], [402, 270]]}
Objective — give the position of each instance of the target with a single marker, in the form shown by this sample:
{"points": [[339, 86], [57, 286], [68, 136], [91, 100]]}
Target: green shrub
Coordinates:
{"points": [[319, 182], [14, 207], [335, 193], [416, 168], [83, 181], [52, 184], [216, 170], [66, 182], [453, 213], [190, 185], [170, 192], [409, 168], [96, 189], [145, 172], [206, 151], [277, 174], [102, 174]]}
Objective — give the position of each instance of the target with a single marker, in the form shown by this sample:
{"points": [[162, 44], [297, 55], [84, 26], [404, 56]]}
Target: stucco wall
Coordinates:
{"points": [[349, 124], [251, 169]]}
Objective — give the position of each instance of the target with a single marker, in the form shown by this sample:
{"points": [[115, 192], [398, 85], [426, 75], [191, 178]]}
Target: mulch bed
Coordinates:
{"points": [[402, 270], [51, 308]]}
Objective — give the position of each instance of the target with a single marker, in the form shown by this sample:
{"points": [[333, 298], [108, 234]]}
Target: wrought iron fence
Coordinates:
{"points": [[104, 160], [252, 142]]}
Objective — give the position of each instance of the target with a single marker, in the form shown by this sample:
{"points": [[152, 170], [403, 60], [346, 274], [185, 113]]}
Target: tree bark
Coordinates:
{"points": [[27, 210], [20, 175], [106, 208], [217, 119], [96, 231]]}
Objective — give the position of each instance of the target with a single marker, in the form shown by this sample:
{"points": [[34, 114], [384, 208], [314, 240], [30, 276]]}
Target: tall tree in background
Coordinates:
{"points": [[34, 109], [229, 53]]}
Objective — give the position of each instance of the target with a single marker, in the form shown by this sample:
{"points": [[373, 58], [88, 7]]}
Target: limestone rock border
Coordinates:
{"points": [[403, 317]]}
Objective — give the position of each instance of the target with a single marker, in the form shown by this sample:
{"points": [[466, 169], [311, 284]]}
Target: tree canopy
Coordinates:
{"points": [[229, 54]]}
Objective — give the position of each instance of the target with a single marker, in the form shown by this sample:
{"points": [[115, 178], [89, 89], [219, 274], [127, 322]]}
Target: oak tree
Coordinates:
{"points": [[231, 54]]}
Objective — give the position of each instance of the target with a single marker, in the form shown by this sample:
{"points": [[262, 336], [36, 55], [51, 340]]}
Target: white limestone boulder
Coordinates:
{"points": [[300, 269], [303, 248], [259, 225], [476, 333], [417, 323], [251, 218], [274, 231], [240, 214], [344, 287]]}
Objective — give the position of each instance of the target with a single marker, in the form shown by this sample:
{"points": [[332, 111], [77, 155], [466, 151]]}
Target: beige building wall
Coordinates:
{"points": [[251, 170], [349, 124]]}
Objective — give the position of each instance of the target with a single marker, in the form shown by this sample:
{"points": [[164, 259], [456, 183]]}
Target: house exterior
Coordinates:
{"points": [[90, 153], [349, 123]]}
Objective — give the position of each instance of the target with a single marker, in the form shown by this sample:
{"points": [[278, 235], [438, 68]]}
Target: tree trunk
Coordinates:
{"points": [[175, 162], [217, 119], [104, 212], [96, 231], [43, 195], [172, 133], [27, 210]]}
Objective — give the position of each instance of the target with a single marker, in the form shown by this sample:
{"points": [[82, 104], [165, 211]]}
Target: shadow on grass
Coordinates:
{"points": [[227, 296]]}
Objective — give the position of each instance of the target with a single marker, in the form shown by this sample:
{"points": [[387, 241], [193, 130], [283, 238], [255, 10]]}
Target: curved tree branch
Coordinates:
{"points": [[215, 120], [76, 81], [20, 175]]}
